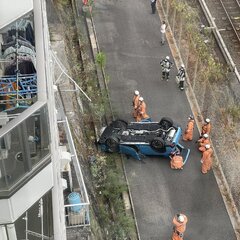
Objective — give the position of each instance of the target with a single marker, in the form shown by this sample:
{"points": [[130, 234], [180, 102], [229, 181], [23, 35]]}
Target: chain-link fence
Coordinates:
{"points": [[215, 94]]}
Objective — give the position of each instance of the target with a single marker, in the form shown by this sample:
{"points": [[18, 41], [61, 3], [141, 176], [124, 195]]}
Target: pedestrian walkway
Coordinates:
{"points": [[130, 37]]}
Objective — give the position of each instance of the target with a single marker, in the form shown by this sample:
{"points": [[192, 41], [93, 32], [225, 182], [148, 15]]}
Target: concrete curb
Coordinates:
{"points": [[217, 169], [100, 70], [127, 199]]}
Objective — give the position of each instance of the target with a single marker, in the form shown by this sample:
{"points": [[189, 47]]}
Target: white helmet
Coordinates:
{"points": [[207, 120], [136, 92], [141, 99], [183, 66], [205, 135], [181, 218], [167, 57], [207, 146]]}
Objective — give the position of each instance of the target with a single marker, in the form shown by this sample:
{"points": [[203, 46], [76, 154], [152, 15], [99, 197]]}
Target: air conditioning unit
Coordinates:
{"points": [[65, 157], [64, 183]]}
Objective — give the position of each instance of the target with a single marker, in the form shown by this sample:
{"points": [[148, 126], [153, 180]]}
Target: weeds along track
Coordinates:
{"points": [[226, 14]]}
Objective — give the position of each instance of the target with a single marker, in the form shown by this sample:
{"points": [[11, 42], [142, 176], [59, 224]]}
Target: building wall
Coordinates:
{"points": [[13, 207], [8, 13]]}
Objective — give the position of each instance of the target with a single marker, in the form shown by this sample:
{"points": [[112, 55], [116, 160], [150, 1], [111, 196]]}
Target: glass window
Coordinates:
{"points": [[24, 149]]}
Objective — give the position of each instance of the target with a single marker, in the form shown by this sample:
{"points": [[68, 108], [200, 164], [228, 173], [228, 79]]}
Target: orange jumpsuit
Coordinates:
{"points": [[202, 143], [188, 134], [141, 111], [135, 105], [206, 128], [179, 228], [176, 162], [206, 160]]}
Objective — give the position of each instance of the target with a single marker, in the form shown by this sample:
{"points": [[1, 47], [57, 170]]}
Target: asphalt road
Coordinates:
{"points": [[129, 35]]}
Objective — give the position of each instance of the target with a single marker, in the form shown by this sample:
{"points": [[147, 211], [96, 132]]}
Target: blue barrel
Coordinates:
{"points": [[74, 198]]}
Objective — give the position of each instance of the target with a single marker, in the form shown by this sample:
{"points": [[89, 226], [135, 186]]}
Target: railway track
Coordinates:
{"points": [[226, 14]]}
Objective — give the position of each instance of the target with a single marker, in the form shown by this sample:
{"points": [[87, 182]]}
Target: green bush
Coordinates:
{"points": [[110, 185], [234, 112], [101, 59], [63, 2], [213, 68], [114, 185]]}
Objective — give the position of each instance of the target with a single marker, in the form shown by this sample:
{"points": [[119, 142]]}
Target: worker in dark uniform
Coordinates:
{"points": [[166, 65], [153, 5], [181, 77]]}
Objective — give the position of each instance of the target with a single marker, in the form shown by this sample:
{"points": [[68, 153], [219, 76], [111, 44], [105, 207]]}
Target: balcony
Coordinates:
{"points": [[24, 149], [76, 200], [18, 77]]}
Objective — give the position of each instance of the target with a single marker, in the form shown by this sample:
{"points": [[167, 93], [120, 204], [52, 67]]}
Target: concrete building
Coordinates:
{"points": [[38, 197]]}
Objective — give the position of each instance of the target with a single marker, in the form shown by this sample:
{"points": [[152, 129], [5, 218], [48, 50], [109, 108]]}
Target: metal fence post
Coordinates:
{"points": [[180, 35], [195, 74], [174, 17], [167, 11], [188, 53]]}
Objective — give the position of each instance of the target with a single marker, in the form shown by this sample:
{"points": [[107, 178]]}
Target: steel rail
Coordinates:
{"points": [[229, 17], [219, 38]]}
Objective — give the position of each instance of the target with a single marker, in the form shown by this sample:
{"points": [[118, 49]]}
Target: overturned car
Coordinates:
{"points": [[139, 139]]}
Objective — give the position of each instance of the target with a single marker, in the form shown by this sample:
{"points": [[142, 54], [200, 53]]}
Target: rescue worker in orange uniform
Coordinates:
{"points": [[203, 141], [188, 133], [179, 226], [207, 159], [135, 103], [206, 128], [141, 110], [176, 160]]}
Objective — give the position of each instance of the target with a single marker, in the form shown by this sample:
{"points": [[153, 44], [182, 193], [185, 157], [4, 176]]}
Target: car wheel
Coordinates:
{"points": [[112, 144], [119, 124], [157, 144], [166, 123]]}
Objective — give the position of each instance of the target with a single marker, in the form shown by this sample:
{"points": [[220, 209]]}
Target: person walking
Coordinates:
{"points": [[206, 128], [207, 159], [166, 65], [141, 110], [188, 133], [153, 6], [135, 103], [181, 77], [203, 141], [163, 32], [176, 160], [179, 226]]}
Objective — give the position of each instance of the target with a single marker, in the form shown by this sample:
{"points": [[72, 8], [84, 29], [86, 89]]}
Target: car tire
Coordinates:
{"points": [[120, 124], [157, 144], [112, 144], [166, 123]]}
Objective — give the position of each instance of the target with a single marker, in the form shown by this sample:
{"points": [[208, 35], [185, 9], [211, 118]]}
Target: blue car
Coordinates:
{"points": [[139, 139]]}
